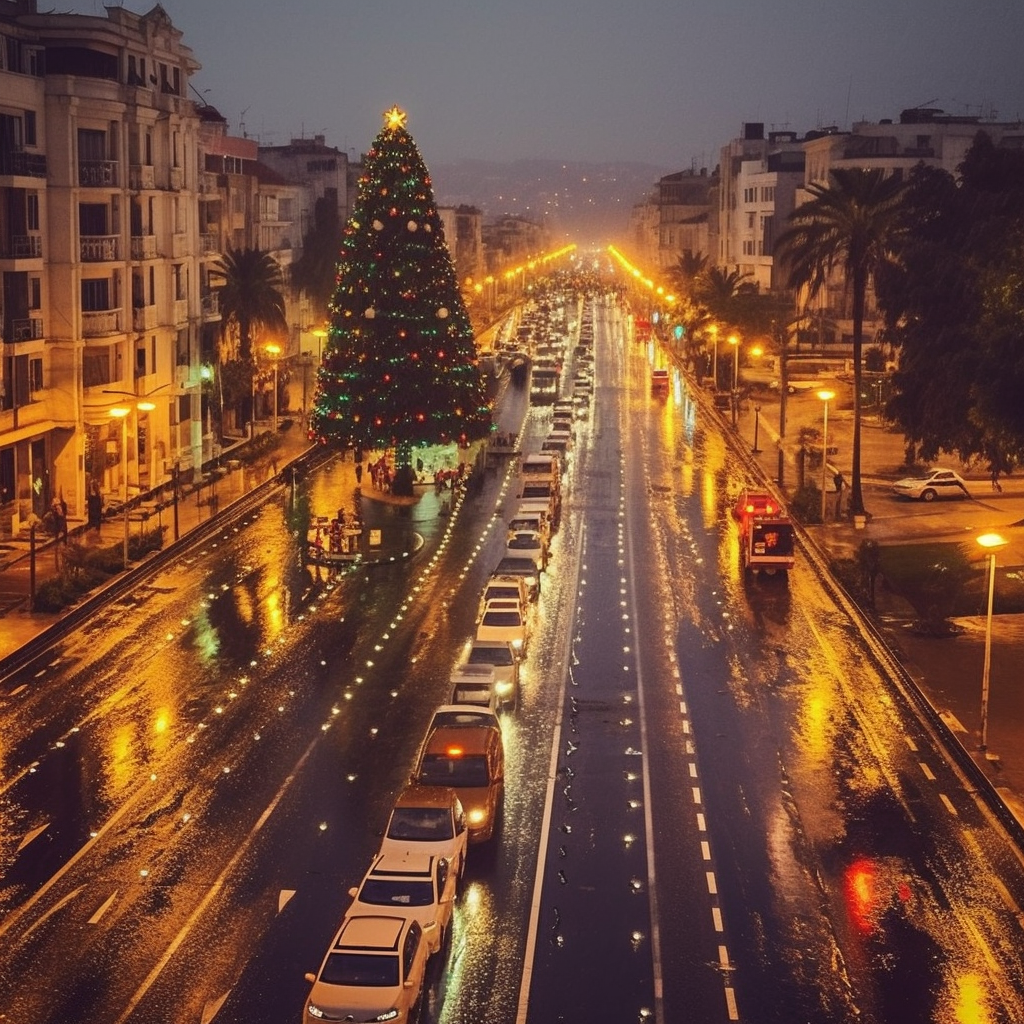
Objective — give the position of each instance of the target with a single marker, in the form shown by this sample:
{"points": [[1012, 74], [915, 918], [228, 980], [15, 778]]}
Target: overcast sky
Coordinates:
{"points": [[665, 82]]}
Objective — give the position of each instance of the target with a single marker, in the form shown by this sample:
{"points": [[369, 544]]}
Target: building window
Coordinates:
{"points": [[30, 127], [32, 211], [35, 300], [95, 295], [35, 373]]}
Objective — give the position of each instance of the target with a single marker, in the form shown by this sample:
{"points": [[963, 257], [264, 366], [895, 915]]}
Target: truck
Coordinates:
{"points": [[767, 543]]}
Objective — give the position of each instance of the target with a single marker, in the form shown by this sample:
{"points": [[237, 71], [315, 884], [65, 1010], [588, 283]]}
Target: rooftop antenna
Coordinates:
{"points": [[241, 122]]}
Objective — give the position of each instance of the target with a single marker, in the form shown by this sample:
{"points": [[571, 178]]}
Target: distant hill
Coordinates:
{"points": [[586, 203]]}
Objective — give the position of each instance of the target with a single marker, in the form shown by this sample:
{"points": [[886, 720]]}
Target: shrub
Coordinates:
{"points": [[805, 504]]}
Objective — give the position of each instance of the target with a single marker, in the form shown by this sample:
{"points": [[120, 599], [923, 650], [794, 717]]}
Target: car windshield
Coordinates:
{"points": [[361, 969], [509, 619], [490, 656], [397, 893], [469, 693], [423, 824], [441, 770], [508, 593]]}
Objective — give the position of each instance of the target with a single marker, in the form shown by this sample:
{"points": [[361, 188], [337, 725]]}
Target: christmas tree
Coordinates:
{"points": [[399, 369]]}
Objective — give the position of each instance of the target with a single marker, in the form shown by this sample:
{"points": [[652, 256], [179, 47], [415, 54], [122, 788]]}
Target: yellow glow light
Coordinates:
{"points": [[826, 396], [394, 118], [992, 540]]}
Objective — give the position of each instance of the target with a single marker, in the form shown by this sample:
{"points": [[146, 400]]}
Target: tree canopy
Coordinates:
{"points": [[954, 305]]}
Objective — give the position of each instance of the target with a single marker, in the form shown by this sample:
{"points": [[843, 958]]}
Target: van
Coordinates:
{"points": [[466, 753]]}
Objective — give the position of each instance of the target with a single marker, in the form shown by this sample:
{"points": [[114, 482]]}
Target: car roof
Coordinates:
{"points": [[371, 933], [472, 740], [417, 795], [408, 862]]}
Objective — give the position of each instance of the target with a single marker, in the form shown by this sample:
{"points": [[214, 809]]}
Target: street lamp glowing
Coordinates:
{"points": [[735, 342], [991, 542], [274, 351]]}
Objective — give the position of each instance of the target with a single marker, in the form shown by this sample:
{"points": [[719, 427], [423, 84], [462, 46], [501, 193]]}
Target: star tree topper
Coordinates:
{"points": [[394, 118]]}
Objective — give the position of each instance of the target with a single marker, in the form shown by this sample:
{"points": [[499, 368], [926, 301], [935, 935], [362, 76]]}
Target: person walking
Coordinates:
{"points": [[840, 482], [94, 508]]}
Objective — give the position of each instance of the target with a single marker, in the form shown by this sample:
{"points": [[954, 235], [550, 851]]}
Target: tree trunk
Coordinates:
{"points": [[402, 482], [859, 292]]}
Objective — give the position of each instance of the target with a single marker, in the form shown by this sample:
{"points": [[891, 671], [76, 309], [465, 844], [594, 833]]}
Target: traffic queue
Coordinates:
{"points": [[376, 966]]}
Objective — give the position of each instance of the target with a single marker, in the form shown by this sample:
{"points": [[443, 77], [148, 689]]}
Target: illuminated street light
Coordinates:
{"points": [[713, 331], [826, 397], [991, 542], [122, 414]]}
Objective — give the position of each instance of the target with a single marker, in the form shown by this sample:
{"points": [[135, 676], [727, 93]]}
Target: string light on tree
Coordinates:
{"points": [[400, 365]]}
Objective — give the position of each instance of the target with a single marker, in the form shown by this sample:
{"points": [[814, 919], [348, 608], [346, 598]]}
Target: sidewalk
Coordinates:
{"points": [[948, 671]]}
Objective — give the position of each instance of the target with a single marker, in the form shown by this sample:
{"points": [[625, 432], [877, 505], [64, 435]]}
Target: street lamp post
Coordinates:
{"points": [[991, 542], [826, 397], [735, 342], [757, 423], [121, 413], [713, 329], [274, 351]]}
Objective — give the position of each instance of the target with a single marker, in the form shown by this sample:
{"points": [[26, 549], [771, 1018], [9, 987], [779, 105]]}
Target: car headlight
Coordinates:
{"points": [[502, 688], [517, 643], [314, 1010], [476, 816], [390, 1015]]}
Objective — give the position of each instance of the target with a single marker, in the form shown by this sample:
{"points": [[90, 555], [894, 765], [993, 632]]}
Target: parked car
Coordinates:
{"points": [[528, 544], [415, 883], [464, 749], [504, 620], [374, 970], [476, 686], [936, 483], [431, 819], [524, 567], [501, 656], [503, 588]]}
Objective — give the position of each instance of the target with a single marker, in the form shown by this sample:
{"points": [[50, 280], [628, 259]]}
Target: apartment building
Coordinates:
{"points": [[99, 239]]}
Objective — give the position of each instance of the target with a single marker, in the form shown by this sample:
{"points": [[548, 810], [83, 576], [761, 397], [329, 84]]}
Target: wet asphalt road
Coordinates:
{"points": [[732, 814]]}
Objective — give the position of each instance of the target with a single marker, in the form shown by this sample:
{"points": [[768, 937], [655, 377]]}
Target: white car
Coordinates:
{"points": [[411, 882], [504, 620], [430, 819], [503, 588], [936, 483], [528, 544], [374, 970], [475, 685], [500, 656]]}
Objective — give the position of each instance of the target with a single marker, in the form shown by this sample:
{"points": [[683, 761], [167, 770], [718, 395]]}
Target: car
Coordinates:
{"points": [[476, 686], [504, 588], [524, 567], [374, 970], [413, 882], [529, 544], [463, 749], [936, 483], [501, 656], [504, 620], [431, 819], [659, 381]]}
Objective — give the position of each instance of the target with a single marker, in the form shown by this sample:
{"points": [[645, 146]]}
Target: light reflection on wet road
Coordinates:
{"points": [[234, 734]]}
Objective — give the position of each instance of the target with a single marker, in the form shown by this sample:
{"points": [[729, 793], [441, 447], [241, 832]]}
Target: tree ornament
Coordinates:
{"points": [[369, 312], [412, 225], [443, 313], [378, 225]]}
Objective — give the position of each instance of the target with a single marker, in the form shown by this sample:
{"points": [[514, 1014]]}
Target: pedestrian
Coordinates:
{"points": [[359, 473], [64, 517], [840, 483], [996, 485], [94, 508]]}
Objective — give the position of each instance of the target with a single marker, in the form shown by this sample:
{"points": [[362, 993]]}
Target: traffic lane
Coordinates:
{"points": [[824, 729], [246, 733]]}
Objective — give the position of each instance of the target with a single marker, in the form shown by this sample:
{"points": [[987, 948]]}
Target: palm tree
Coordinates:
{"points": [[688, 269], [250, 299], [852, 222], [251, 296]]}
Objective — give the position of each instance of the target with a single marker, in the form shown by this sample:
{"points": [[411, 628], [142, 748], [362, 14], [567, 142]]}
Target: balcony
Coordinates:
{"points": [[143, 247], [141, 176], [97, 173], [23, 329], [101, 323], [179, 245], [211, 306], [208, 184], [209, 242], [22, 247], [144, 318], [181, 311], [177, 179], [22, 164], [99, 248]]}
